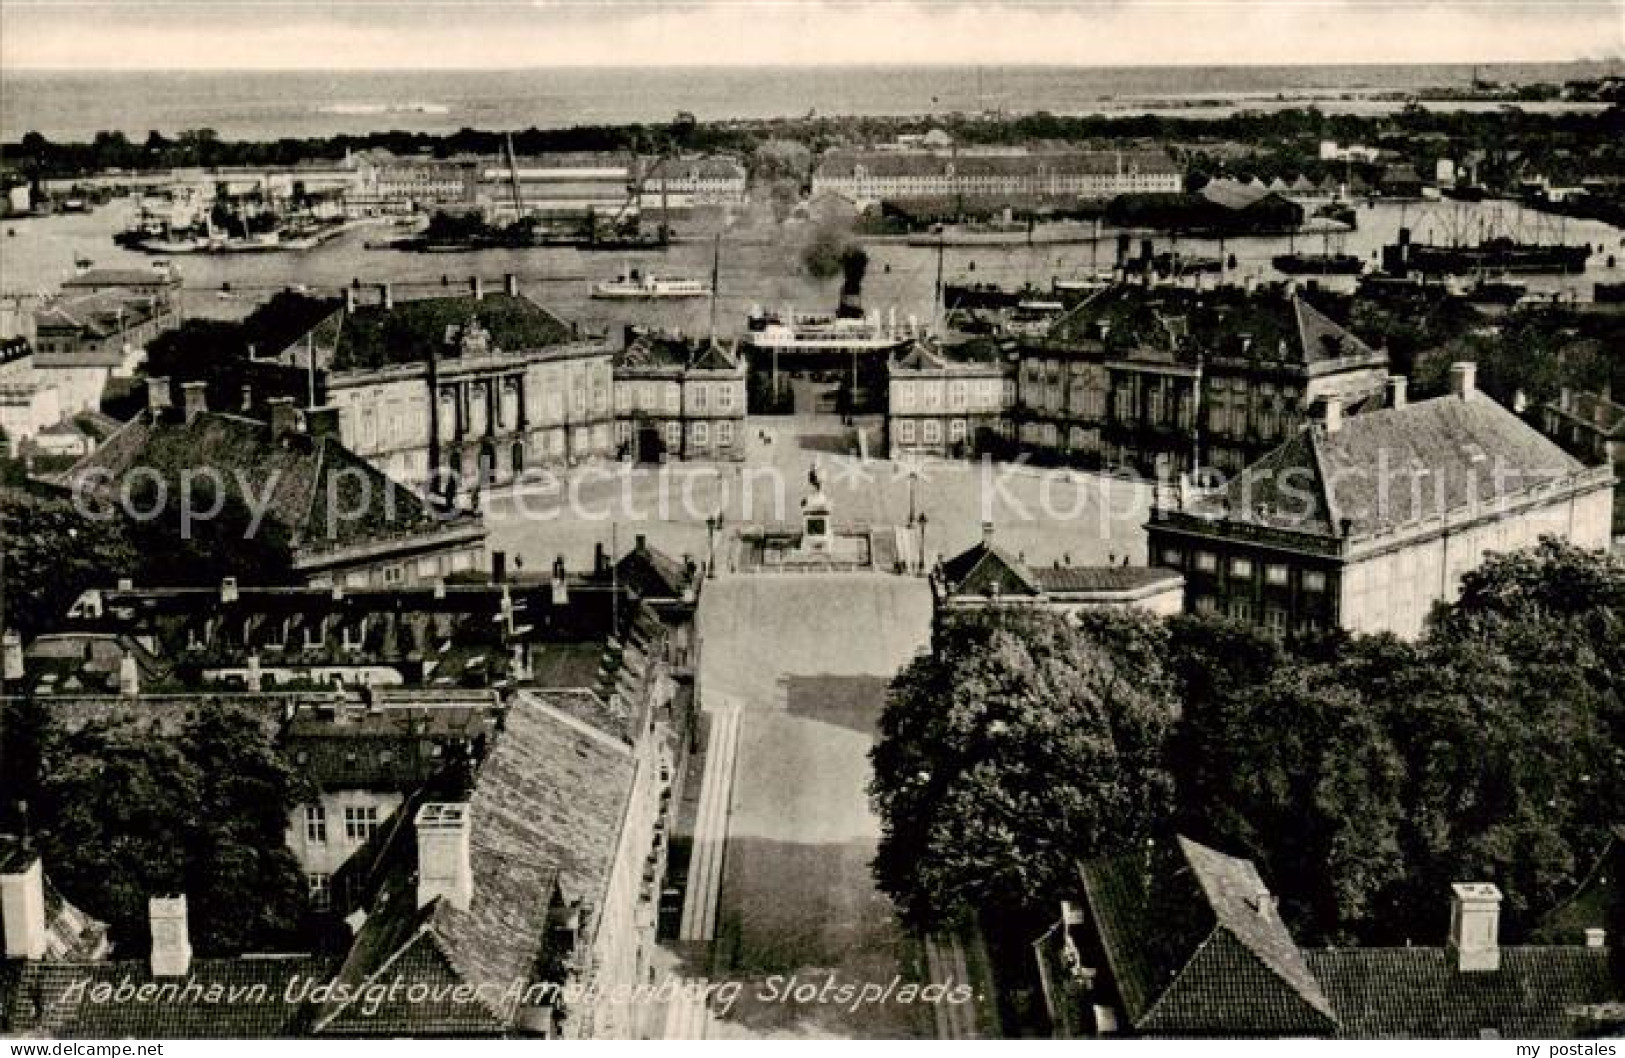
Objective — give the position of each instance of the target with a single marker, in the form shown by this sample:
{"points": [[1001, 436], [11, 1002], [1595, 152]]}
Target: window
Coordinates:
{"points": [[1207, 562], [354, 633], [905, 431], [1241, 609], [674, 436], [725, 434], [725, 397], [394, 574], [315, 825], [1206, 604], [931, 432], [321, 891], [1275, 619], [1172, 556], [1241, 567], [699, 397], [1275, 574], [956, 430], [702, 434], [360, 822], [1314, 580]]}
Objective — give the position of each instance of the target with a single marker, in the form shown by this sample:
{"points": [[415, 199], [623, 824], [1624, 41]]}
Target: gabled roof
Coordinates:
{"points": [[988, 569], [1083, 580], [1462, 453], [545, 818], [292, 476], [411, 330], [652, 573], [1196, 947]]}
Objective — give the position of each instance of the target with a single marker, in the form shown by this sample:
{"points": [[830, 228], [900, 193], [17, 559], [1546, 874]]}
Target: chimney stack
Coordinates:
{"points": [[987, 534], [642, 544], [158, 396], [1333, 414], [22, 903], [1398, 387], [444, 870], [349, 300], [1596, 937], [561, 585], [129, 677], [11, 655], [386, 296], [1475, 926], [476, 288], [194, 399], [255, 677], [499, 567], [284, 417], [247, 404], [510, 285], [1464, 379], [171, 941]]}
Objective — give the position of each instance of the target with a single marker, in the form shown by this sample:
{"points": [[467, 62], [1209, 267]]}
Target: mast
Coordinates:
{"points": [[716, 281], [936, 303]]}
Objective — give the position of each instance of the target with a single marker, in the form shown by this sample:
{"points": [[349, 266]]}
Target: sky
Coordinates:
{"points": [[465, 34]]}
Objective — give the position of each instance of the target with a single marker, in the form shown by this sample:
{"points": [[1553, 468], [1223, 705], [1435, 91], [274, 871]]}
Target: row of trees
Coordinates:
{"points": [[1363, 775]]}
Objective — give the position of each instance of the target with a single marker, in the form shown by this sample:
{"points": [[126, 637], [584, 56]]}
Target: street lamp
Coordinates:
{"points": [[712, 525], [913, 478], [921, 523]]}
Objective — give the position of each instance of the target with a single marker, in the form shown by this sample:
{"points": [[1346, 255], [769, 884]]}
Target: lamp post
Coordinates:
{"points": [[913, 478], [712, 525], [921, 523]]}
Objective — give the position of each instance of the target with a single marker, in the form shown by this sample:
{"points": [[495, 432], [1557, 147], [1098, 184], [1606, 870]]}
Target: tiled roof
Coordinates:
{"points": [[47, 1000], [99, 314], [398, 748], [988, 569], [1461, 453], [652, 573], [674, 354], [545, 816], [373, 336], [299, 471], [1196, 947], [1417, 993], [1080, 580]]}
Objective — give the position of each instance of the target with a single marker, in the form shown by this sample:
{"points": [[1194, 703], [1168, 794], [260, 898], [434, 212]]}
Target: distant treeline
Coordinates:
{"points": [[1294, 130]]}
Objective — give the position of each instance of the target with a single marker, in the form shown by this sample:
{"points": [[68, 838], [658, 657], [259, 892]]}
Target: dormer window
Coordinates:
{"points": [[354, 633]]}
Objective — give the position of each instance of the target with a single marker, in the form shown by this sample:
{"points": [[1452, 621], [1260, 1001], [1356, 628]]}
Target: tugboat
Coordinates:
{"points": [[632, 284]]}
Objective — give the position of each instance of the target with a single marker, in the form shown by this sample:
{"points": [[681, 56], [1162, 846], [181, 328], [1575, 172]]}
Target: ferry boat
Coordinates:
{"points": [[635, 285], [793, 332]]}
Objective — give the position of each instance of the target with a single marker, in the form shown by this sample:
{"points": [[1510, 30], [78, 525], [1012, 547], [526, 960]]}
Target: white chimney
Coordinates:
{"points": [[194, 399], [561, 583], [1463, 379], [510, 285], [157, 394], [386, 296], [1475, 926], [987, 534], [129, 676], [1596, 938], [255, 676], [171, 941], [476, 287], [22, 904], [1333, 415], [11, 655], [1397, 390], [228, 589], [444, 870]]}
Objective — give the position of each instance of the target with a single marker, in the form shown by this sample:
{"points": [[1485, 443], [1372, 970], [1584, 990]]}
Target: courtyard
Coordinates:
{"points": [[1047, 516]]}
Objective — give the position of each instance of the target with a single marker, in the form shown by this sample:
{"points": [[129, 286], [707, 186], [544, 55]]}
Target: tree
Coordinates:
{"points": [[1026, 741], [52, 554], [124, 813]]}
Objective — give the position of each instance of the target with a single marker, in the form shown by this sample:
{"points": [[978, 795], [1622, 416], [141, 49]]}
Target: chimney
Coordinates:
{"points": [[284, 417], [987, 534], [158, 395], [22, 904], [324, 422], [228, 589], [1475, 926], [386, 297], [1565, 399], [255, 677], [11, 655], [1332, 416], [476, 288], [349, 300], [1263, 903], [247, 402], [1596, 937], [129, 677], [600, 560], [1463, 379], [510, 285], [642, 544], [561, 586], [171, 942], [444, 870], [194, 399], [1397, 391]]}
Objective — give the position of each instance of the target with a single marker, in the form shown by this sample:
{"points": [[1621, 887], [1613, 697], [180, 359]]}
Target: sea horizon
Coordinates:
{"points": [[271, 104]]}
